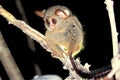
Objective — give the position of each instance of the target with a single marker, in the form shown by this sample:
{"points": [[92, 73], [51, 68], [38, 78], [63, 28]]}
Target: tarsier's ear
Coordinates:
{"points": [[62, 13], [40, 13]]}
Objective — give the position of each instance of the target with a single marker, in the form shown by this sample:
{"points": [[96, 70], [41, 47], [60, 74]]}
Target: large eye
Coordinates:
{"points": [[47, 22], [54, 21]]}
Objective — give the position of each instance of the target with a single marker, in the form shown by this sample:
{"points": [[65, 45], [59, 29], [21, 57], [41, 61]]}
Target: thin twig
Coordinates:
{"points": [[31, 44], [8, 61], [37, 69], [110, 10], [0, 78], [109, 4]]}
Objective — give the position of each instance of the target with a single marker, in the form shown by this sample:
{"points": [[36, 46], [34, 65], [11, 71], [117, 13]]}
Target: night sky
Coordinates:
{"points": [[91, 13]]}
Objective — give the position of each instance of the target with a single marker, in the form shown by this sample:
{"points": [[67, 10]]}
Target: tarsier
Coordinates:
{"points": [[65, 35]]}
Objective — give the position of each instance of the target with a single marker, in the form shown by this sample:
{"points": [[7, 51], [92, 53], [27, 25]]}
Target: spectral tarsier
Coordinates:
{"points": [[65, 35]]}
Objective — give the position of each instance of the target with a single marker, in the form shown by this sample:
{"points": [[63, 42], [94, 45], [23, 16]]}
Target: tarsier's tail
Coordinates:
{"points": [[99, 73]]}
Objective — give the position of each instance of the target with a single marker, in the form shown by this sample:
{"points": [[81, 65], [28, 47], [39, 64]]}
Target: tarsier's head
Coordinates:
{"points": [[54, 16]]}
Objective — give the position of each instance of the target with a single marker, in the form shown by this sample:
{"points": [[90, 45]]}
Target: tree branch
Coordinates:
{"points": [[24, 27], [8, 61]]}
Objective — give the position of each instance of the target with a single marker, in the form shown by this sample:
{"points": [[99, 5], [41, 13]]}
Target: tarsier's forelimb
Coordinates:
{"points": [[65, 34]]}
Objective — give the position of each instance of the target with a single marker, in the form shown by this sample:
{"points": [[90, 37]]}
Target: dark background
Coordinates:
{"points": [[95, 21]]}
